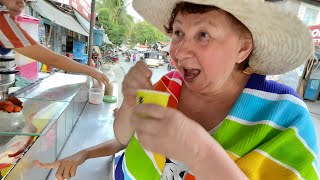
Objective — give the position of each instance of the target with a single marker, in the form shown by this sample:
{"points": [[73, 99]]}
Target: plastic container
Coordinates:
{"points": [[96, 95], [78, 49], [110, 99]]}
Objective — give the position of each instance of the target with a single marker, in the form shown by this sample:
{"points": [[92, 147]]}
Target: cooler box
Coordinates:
{"points": [[313, 89], [98, 37], [29, 24]]}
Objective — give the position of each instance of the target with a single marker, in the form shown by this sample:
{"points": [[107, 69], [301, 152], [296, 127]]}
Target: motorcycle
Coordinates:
{"points": [[115, 59], [127, 58]]}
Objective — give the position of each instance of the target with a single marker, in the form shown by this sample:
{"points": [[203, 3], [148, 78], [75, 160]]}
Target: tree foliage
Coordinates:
{"points": [[114, 18], [144, 32], [120, 26]]}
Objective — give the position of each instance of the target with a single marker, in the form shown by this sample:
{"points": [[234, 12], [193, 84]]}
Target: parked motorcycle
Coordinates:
{"points": [[127, 58], [115, 58]]}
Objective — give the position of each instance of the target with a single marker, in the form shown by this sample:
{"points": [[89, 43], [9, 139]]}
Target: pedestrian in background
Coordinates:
{"points": [[134, 57]]}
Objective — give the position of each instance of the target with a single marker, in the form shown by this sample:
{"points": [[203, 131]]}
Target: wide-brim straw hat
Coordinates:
{"points": [[282, 42]]}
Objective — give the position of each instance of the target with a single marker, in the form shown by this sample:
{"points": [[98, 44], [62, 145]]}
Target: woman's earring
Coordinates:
{"points": [[249, 70]]}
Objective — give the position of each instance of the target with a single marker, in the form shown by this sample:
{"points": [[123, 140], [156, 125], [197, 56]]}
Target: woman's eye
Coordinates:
{"points": [[204, 35], [178, 33]]}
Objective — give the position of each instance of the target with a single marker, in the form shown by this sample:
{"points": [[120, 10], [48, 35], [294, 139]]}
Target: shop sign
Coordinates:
{"points": [[83, 7], [315, 31]]}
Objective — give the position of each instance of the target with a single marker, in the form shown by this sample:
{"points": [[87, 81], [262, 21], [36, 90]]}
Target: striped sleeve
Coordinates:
{"points": [[277, 141], [12, 35]]}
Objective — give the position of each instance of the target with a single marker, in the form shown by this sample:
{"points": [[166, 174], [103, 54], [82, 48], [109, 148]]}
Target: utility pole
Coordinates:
{"points": [[92, 21]]}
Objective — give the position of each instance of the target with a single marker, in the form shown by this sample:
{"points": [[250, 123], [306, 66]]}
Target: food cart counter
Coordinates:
{"points": [[39, 131]]}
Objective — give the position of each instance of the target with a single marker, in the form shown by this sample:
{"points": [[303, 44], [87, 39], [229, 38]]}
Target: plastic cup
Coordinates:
{"points": [[153, 97], [145, 96], [96, 95]]}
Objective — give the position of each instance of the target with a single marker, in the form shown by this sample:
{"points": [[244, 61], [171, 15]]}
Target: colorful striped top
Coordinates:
{"points": [[11, 34], [268, 133]]}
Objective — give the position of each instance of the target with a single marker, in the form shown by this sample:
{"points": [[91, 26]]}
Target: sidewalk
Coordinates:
{"points": [[314, 107]]}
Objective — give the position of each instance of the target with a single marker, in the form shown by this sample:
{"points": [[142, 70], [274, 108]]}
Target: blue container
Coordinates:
{"points": [[78, 49], [313, 89], [98, 37], [82, 61], [85, 57]]}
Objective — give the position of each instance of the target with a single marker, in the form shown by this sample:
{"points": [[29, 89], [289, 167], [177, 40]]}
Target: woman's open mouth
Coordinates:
{"points": [[190, 74]]}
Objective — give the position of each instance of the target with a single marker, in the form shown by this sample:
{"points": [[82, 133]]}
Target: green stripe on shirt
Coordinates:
{"points": [[145, 168]]}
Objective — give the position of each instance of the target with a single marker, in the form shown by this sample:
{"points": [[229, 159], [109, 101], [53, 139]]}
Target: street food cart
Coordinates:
{"points": [[39, 131]]}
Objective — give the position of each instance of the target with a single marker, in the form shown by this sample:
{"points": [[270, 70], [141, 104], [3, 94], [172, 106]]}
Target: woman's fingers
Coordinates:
{"points": [[73, 170], [59, 173], [66, 171], [100, 77], [103, 80], [136, 79], [55, 164]]}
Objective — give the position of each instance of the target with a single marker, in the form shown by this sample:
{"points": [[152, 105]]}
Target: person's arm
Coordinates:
{"points": [[67, 167], [104, 149], [46, 56], [123, 129]]}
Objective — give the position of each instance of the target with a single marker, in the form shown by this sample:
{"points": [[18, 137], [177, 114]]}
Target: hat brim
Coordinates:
{"points": [[282, 42]]}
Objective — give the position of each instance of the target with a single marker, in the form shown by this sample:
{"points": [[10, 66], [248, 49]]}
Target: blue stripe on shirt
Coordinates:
{"points": [[283, 113]]}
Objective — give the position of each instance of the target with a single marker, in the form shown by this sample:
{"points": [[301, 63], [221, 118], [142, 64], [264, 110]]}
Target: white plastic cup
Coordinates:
{"points": [[96, 95]]}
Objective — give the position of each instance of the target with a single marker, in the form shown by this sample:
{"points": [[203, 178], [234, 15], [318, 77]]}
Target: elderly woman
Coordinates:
{"points": [[224, 120]]}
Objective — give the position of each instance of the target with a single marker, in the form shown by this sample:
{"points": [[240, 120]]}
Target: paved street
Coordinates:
{"points": [[157, 73]]}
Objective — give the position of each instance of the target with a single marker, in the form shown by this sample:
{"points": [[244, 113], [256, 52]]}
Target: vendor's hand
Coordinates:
{"points": [[67, 167], [138, 77], [169, 132], [100, 77]]}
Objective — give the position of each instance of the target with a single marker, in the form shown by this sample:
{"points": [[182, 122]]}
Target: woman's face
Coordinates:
{"points": [[15, 7], [205, 49]]}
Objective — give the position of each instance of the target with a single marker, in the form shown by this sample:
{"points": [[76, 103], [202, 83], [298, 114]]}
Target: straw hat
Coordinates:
{"points": [[281, 41]]}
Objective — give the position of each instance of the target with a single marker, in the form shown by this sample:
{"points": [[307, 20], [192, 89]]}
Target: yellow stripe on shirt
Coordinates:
{"points": [[258, 166]]}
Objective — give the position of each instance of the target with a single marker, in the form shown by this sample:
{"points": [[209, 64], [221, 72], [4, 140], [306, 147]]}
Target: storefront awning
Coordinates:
{"points": [[84, 23], [50, 12]]}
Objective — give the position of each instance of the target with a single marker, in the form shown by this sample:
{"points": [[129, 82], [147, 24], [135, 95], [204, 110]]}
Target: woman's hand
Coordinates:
{"points": [[169, 132], [138, 77], [100, 77], [67, 167]]}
